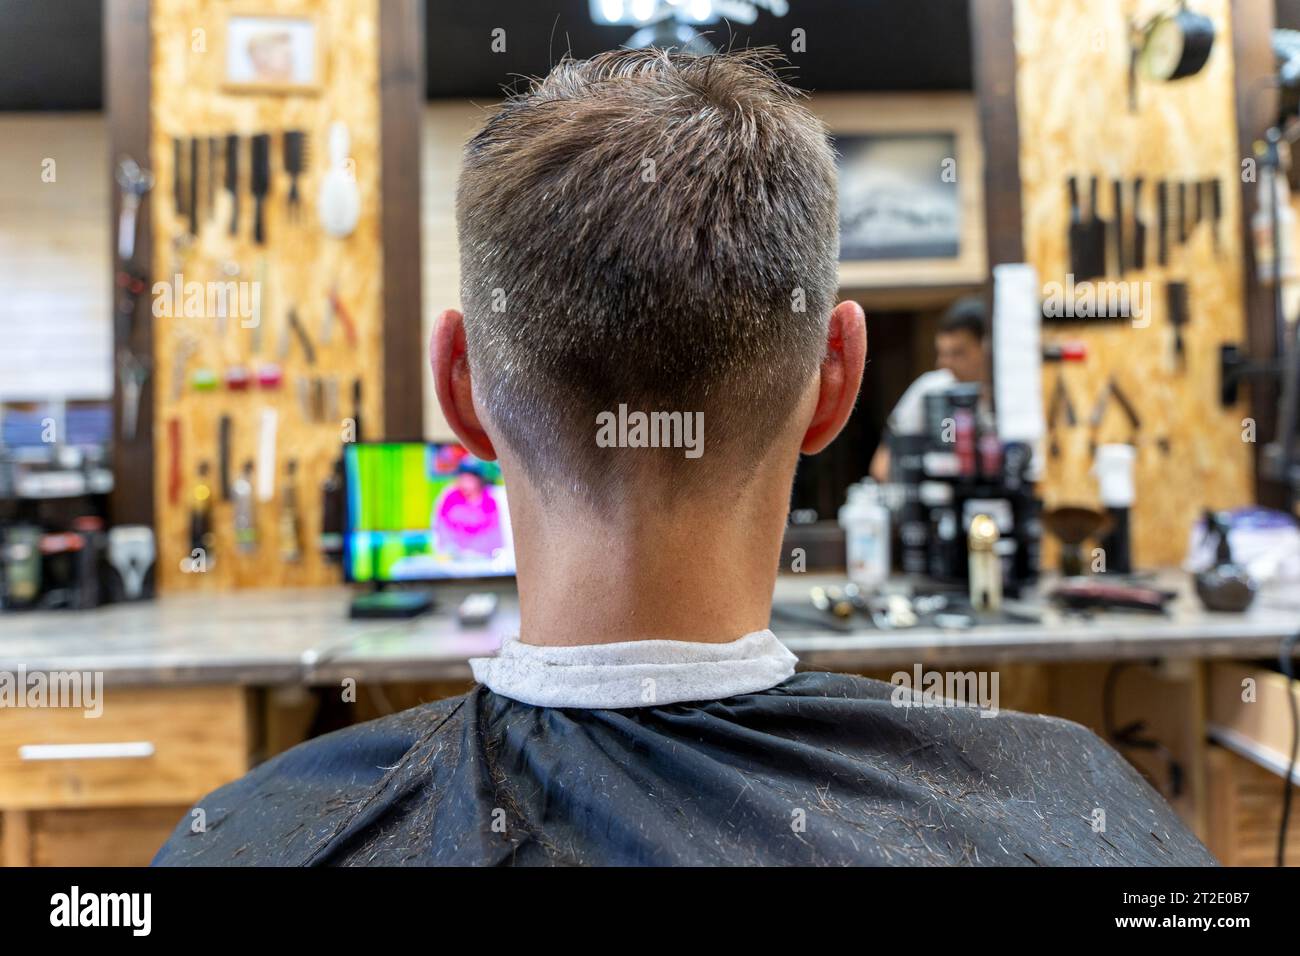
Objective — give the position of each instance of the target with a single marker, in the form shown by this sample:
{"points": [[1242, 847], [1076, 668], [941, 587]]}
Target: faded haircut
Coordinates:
{"points": [[650, 229]]}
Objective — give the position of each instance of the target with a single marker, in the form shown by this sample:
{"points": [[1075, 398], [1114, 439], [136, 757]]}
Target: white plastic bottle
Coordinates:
{"points": [[865, 521]]}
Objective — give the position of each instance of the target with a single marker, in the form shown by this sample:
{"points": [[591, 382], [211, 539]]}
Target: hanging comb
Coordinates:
{"points": [[259, 183], [296, 148]]}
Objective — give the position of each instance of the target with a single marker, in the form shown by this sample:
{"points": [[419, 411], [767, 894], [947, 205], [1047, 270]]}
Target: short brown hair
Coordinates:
{"points": [[651, 229]]}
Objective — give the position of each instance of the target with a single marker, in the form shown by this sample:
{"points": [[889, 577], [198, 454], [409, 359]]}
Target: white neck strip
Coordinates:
{"points": [[635, 673]]}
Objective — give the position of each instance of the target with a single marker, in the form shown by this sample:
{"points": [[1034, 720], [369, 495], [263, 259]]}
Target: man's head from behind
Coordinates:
{"points": [[649, 233]]}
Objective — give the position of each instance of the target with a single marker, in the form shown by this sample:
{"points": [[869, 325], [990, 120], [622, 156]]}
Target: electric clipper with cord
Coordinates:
{"points": [[201, 536], [131, 554]]}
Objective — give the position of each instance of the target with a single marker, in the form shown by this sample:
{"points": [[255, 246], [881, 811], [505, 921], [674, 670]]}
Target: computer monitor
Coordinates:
{"points": [[421, 511]]}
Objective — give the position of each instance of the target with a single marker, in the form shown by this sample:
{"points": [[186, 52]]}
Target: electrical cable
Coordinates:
{"points": [[1285, 662]]}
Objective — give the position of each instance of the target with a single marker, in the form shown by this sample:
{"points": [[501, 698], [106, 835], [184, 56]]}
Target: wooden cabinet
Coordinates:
{"points": [[107, 790], [1246, 813], [1250, 724]]}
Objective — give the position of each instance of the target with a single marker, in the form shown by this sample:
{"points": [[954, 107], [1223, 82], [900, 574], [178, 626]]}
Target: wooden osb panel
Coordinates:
{"points": [[1072, 89], [301, 265]]}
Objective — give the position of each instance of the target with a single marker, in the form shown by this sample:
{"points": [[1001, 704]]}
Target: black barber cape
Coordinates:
{"points": [[822, 769]]}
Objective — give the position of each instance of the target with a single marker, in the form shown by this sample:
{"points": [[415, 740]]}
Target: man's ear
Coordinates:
{"points": [[451, 381], [840, 378]]}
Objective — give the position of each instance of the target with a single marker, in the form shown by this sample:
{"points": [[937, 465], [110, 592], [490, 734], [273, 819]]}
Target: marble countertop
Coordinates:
{"points": [[305, 637]]}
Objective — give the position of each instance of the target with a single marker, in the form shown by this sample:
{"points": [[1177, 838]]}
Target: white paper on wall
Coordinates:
{"points": [[1017, 354]]}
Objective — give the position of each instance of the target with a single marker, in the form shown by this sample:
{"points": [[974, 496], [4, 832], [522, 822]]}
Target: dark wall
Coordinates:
{"points": [[885, 45], [51, 55], [51, 51]]}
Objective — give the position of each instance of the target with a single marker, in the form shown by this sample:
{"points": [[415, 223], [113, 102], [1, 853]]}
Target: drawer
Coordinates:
{"points": [[129, 836], [1259, 729], [150, 747]]}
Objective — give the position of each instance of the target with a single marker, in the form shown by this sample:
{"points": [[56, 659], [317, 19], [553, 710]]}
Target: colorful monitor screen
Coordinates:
{"points": [[423, 512]]}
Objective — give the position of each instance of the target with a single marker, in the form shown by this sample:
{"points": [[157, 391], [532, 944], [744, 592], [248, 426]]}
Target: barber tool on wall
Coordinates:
{"points": [[1097, 227], [232, 180], [327, 317], [290, 519], [1059, 405], [331, 399], [214, 152], [259, 183], [337, 308], [1179, 316], [284, 341], [1139, 227], [237, 378], [1078, 234], [1162, 223], [299, 330], [185, 346], [296, 146], [204, 379], [193, 200], [244, 515], [304, 397], [201, 537], [223, 455], [132, 375], [1216, 210], [179, 246], [356, 410], [332, 516], [1182, 221], [340, 199], [228, 274], [178, 178], [269, 376], [259, 305], [133, 181], [1117, 231], [1071, 351], [1112, 390], [266, 454], [173, 460]]}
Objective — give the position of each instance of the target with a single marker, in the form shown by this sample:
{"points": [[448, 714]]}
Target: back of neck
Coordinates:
{"points": [[704, 572]]}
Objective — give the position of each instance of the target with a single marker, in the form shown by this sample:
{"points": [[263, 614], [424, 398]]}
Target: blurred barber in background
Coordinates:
{"points": [[960, 358]]}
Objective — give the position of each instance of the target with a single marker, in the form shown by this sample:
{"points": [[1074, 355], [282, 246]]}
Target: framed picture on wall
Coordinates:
{"points": [[911, 178], [269, 54]]}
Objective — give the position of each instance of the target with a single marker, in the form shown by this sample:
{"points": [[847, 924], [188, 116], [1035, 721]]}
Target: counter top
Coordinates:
{"points": [[305, 637]]}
